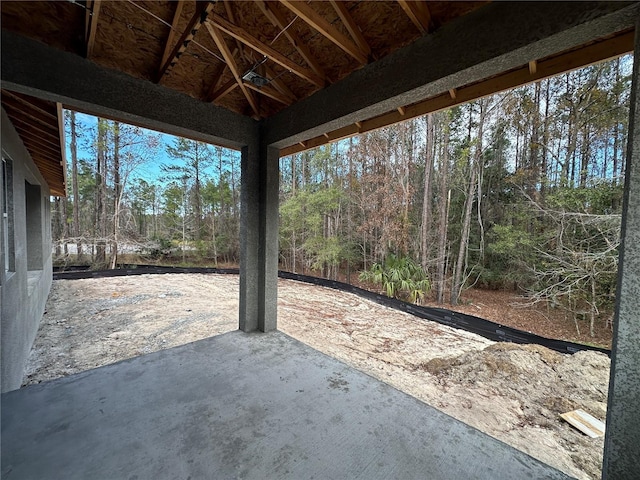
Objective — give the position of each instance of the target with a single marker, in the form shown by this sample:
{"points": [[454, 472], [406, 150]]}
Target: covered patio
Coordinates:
{"points": [[241, 405], [261, 405]]}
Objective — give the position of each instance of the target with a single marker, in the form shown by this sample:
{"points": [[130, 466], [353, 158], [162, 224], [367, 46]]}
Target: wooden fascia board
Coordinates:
{"points": [[555, 65]]}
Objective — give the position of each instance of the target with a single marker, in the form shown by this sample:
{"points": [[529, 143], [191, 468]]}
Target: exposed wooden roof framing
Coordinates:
{"points": [[40, 125], [419, 14], [295, 48], [319, 23], [91, 24]]}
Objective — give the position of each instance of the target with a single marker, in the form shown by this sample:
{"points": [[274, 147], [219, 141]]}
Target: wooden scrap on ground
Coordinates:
{"points": [[584, 422]]}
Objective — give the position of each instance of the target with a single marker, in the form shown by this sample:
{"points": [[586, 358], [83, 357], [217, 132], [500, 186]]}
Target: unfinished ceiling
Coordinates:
{"points": [[258, 57], [40, 125], [204, 49]]}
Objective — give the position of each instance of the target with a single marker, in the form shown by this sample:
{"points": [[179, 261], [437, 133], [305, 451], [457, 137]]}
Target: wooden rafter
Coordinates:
{"points": [[232, 18], [203, 9], [319, 23], [62, 158], [217, 79], [269, 92], [31, 130], [225, 89], [418, 13], [597, 52], [351, 26], [20, 112], [240, 34], [91, 25], [216, 34], [28, 105], [278, 84], [276, 17], [172, 32]]}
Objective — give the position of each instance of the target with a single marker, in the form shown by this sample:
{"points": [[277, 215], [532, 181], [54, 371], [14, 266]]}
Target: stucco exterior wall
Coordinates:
{"points": [[25, 285]]}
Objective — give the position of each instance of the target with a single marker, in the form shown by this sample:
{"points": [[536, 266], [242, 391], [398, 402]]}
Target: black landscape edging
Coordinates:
{"points": [[470, 323]]}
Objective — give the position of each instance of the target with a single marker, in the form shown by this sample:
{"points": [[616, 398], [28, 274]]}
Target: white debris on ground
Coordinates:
{"points": [[512, 392]]}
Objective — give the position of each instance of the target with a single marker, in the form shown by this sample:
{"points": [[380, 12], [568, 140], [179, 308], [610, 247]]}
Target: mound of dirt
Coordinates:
{"points": [[544, 383]]}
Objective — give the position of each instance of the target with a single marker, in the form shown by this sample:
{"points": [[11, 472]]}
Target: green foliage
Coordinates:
{"points": [[400, 277]]}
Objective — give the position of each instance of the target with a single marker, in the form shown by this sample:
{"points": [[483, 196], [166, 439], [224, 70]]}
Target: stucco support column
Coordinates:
{"points": [[622, 440], [259, 238]]}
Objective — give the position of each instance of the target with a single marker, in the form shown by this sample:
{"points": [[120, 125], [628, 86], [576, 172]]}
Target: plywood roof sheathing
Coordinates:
{"points": [[317, 22], [266, 50], [216, 34], [275, 16], [202, 11]]}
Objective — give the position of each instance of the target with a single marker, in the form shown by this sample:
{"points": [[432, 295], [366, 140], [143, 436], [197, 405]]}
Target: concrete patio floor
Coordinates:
{"points": [[241, 406]]}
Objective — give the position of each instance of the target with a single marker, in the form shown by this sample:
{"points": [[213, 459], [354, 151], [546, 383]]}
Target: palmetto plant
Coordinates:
{"points": [[399, 277]]}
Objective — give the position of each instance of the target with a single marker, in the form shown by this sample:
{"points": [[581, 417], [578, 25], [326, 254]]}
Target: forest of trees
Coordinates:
{"points": [[520, 190]]}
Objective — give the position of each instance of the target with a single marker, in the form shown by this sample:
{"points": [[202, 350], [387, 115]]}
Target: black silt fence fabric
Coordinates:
{"points": [[485, 328]]}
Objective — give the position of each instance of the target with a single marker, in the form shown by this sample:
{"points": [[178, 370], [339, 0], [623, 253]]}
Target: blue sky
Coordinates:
{"points": [[150, 170]]}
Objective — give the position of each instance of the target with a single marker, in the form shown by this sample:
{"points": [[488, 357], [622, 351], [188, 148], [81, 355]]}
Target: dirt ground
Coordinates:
{"points": [[513, 392]]}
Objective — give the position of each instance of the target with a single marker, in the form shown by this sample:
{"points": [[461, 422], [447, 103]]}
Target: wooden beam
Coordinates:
{"points": [[172, 32], [453, 93], [269, 92], [402, 110], [418, 13], [279, 85], [351, 26], [216, 34], [218, 76], [277, 18], [63, 147], [249, 40], [203, 9], [549, 67], [316, 21], [533, 66], [91, 24], [224, 90]]}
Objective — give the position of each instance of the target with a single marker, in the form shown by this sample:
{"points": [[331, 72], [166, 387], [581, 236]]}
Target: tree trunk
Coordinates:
{"points": [[117, 194], [468, 208], [426, 197], [74, 181], [443, 212]]}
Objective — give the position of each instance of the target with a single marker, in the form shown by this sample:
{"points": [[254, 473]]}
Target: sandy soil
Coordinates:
{"points": [[512, 392]]}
